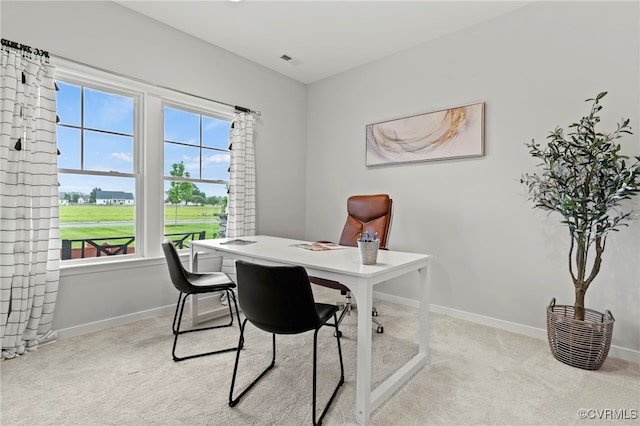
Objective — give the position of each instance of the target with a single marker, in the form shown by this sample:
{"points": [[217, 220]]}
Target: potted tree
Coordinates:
{"points": [[584, 177]]}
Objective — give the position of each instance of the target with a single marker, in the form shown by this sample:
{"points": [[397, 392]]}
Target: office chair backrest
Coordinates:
{"points": [[277, 299], [367, 213], [179, 276]]}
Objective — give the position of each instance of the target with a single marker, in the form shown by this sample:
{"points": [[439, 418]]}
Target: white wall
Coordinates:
{"points": [[494, 255], [109, 36]]}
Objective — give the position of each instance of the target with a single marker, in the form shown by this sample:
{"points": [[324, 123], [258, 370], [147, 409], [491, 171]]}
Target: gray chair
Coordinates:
{"points": [[189, 283], [279, 300]]}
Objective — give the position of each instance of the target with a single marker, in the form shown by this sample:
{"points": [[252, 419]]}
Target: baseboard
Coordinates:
{"points": [[626, 354], [120, 320]]}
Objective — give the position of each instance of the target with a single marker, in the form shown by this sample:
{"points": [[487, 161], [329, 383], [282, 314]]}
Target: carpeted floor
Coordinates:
{"points": [[477, 376]]}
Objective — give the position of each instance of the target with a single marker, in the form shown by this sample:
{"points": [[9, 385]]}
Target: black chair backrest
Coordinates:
{"points": [[277, 299], [179, 275]]}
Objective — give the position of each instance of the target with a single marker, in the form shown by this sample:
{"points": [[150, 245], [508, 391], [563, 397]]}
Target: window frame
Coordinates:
{"points": [[201, 109], [148, 165], [92, 80]]}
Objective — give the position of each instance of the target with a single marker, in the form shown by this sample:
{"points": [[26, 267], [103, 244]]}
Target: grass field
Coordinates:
{"points": [[92, 214]]}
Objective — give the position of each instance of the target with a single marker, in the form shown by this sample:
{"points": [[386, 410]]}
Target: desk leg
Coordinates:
{"points": [[366, 399], [193, 266], [364, 368], [424, 332], [198, 317]]}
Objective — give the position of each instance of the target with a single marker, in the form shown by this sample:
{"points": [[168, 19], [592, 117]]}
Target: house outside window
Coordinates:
{"points": [[119, 198]]}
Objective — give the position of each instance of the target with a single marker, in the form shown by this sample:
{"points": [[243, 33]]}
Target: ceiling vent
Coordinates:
{"points": [[290, 59]]}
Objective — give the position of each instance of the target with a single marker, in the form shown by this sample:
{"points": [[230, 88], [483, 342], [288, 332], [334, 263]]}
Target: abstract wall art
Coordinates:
{"points": [[450, 133]]}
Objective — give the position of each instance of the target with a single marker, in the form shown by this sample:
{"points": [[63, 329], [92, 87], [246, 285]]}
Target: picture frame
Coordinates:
{"points": [[450, 133]]}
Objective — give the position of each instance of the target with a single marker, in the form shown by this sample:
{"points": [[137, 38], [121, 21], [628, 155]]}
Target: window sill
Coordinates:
{"points": [[109, 265]]}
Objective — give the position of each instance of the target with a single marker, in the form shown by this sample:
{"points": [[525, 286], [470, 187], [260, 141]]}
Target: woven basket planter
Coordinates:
{"points": [[582, 344]]}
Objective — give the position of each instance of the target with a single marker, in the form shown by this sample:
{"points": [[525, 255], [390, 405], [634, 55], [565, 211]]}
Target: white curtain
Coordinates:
{"points": [[242, 178], [29, 221], [241, 206]]}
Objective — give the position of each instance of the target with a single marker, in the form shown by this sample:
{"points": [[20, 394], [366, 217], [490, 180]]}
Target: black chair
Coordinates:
{"points": [[188, 283], [279, 300]]}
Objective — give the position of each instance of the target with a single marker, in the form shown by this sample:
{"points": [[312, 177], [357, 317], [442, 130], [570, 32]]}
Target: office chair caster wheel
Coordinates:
{"points": [[374, 313], [337, 334], [380, 329]]}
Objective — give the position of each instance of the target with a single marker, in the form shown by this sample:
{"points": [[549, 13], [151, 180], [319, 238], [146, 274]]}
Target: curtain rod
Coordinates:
{"points": [[25, 49], [29, 50], [139, 80]]}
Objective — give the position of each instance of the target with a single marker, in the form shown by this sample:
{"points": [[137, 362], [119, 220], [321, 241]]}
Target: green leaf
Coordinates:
{"points": [[584, 179]]}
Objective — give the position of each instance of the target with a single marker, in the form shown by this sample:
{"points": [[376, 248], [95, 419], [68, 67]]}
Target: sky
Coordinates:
{"points": [[108, 142]]}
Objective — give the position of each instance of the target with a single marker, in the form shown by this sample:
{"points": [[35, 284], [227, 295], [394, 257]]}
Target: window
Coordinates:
{"points": [[127, 150], [196, 173], [97, 170]]}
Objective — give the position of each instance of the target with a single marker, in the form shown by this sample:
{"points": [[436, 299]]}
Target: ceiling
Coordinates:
{"points": [[323, 38]]}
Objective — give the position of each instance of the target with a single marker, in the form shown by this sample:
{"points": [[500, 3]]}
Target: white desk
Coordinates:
{"points": [[343, 265]]}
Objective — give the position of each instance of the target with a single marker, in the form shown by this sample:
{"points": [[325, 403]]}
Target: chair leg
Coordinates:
{"points": [[348, 307], [346, 310], [379, 328], [177, 319], [234, 401], [175, 315], [231, 295], [340, 382]]}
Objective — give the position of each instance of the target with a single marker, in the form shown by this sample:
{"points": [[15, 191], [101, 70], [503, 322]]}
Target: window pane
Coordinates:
{"points": [[107, 152], [68, 103], [97, 215], [215, 133], [68, 141], [195, 210], [200, 213], [215, 164], [189, 156], [108, 111], [181, 126]]}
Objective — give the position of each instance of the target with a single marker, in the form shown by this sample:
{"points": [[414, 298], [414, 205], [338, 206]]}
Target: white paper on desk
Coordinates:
{"points": [[317, 246], [238, 242]]}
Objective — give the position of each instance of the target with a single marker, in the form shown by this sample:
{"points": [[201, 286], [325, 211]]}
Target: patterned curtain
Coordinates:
{"points": [[242, 179], [29, 222], [241, 206]]}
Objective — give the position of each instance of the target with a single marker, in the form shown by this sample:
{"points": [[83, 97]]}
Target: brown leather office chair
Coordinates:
{"points": [[365, 214]]}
